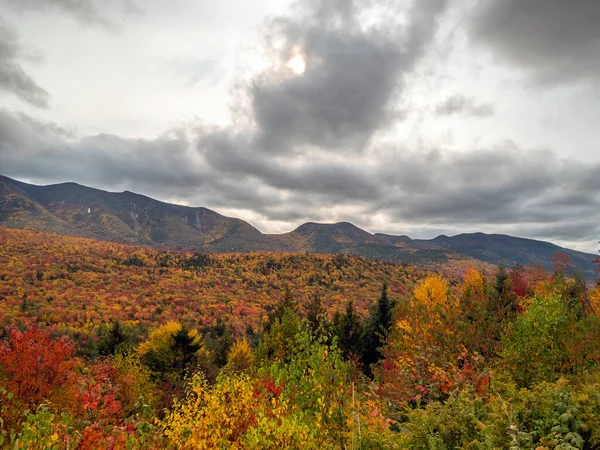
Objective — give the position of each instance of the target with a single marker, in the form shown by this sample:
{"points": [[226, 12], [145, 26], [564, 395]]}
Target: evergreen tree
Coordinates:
{"points": [[284, 304], [115, 338], [315, 314], [377, 330], [503, 302], [348, 328], [184, 348]]}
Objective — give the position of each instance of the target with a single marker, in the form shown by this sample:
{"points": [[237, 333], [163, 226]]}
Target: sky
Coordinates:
{"points": [[409, 117]]}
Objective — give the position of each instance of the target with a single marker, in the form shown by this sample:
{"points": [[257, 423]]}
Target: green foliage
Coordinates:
{"points": [[542, 417], [316, 315], [41, 430], [457, 423], [537, 345], [280, 341]]}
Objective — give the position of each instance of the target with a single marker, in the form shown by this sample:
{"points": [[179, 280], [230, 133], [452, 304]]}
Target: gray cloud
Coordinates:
{"points": [[460, 104], [534, 191], [307, 147], [13, 78], [553, 40], [352, 73], [30, 148], [88, 11], [500, 185]]}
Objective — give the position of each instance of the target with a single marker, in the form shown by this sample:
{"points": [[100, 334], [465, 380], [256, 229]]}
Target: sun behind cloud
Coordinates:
{"points": [[297, 64]]}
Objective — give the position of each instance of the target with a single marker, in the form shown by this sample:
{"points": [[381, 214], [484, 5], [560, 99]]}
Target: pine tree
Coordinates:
{"points": [[377, 330], [115, 338], [348, 328]]}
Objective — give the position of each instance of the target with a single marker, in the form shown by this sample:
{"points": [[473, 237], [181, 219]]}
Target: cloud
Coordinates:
{"points": [[482, 188], [307, 147], [194, 70], [353, 72], [31, 148], [13, 78], [460, 104], [88, 11], [554, 41]]}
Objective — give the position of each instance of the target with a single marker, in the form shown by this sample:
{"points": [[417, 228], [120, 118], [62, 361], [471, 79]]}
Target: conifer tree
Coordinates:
{"points": [[377, 330], [348, 328]]}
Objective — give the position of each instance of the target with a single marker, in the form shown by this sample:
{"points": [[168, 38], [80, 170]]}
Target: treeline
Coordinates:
{"points": [[509, 361]]}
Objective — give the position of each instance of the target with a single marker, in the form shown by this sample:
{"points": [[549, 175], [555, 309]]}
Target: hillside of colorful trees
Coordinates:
{"points": [[111, 346]]}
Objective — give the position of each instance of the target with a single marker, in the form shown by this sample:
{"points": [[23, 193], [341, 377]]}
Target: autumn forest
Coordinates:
{"points": [[113, 346]]}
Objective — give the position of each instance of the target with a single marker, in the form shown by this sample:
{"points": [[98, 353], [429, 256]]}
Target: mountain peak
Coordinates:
{"points": [[73, 209]]}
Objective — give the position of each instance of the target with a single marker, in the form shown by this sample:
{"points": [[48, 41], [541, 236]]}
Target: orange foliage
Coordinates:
{"points": [[76, 284]]}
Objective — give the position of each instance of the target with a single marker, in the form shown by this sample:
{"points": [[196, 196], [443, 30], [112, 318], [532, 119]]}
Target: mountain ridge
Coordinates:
{"points": [[78, 210]]}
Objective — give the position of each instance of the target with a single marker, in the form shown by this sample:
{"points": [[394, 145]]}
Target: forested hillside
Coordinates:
{"points": [[74, 210], [79, 284], [112, 346]]}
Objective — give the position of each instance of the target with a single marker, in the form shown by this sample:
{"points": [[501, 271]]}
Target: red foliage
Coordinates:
{"points": [[99, 394], [35, 366], [519, 281], [561, 262]]}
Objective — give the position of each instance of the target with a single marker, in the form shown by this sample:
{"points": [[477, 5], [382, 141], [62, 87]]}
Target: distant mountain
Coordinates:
{"points": [[75, 210], [72, 209]]}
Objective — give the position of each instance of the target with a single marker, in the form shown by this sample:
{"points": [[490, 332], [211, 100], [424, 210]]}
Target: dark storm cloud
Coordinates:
{"points": [[460, 104], [553, 40], [352, 73], [13, 78]]}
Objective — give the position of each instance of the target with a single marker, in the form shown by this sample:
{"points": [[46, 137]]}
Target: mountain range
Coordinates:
{"points": [[76, 210]]}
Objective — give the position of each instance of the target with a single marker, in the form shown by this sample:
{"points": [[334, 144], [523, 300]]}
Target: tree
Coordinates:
{"points": [[561, 263], [240, 357], [519, 281], [35, 366], [170, 348], [348, 328], [534, 345], [186, 344], [503, 302], [315, 314], [284, 304], [379, 324], [114, 339]]}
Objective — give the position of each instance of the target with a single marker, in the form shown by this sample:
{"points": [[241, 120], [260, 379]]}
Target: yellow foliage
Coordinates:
{"points": [[595, 300], [432, 291], [240, 357], [212, 416], [474, 283], [404, 325], [162, 339], [135, 382]]}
